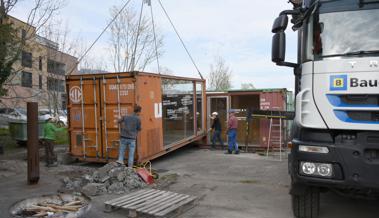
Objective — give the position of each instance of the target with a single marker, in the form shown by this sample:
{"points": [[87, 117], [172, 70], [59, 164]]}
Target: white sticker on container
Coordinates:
{"points": [[158, 110]]}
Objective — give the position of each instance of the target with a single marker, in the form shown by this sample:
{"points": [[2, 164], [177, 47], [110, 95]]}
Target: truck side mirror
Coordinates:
{"points": [[280, 24], [278, 52]]}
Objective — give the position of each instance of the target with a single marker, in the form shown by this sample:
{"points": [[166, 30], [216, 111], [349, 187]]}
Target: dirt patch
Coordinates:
{"points": [[249, 181], [165, 181]]}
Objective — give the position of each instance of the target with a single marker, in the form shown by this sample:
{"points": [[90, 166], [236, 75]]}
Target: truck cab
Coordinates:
{"points": [[336, 129]]}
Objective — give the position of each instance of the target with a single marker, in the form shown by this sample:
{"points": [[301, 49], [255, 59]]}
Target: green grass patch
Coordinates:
{"points": [[7, 141], [4, 132]]}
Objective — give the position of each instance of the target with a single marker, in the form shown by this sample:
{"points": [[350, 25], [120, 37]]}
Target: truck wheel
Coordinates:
{"points": [[306, 205]]}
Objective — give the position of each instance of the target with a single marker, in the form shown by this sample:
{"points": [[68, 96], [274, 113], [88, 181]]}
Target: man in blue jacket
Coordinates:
{"points": [[130, 126]]}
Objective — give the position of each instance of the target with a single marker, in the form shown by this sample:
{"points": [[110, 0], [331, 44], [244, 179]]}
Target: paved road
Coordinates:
{"points": [[247, 186], [229, 186]]}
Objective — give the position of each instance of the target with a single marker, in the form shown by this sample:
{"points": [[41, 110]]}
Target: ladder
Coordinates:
{"points": [[276, 126]]}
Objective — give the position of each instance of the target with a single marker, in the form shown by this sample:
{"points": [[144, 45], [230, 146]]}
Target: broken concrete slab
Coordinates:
{"points": [[94, 189], [116, 188], [112, 178]]}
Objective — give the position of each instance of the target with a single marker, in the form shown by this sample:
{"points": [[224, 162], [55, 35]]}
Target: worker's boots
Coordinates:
{"points": [[228, 152]]}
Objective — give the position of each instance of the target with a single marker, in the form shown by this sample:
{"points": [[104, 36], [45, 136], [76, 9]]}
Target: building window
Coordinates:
{"points": [[51, 84], [56, 67], [26, 59], [55, 84], [64, 103], [23, 35], [26, 80], [40, 63], [40, 81]]}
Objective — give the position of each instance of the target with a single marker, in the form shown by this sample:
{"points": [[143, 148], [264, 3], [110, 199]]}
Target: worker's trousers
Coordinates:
{"points": [[232, 140], [125, 142], [217, 137], [50, 156]]}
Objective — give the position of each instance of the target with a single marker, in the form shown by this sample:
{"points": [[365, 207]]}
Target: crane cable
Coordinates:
{"points": [[133, 63], [180, 38], [155, 37], [101, 34]]}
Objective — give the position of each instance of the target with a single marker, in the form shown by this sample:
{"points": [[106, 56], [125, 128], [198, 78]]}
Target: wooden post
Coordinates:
{"points": [[33, 145]]}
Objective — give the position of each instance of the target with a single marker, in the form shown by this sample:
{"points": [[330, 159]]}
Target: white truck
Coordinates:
{"points": [[336, 130]]}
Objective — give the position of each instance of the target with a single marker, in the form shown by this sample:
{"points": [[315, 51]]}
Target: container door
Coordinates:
{"points": [[118, 97], [243, 103], [84, 113], [219, 104]]}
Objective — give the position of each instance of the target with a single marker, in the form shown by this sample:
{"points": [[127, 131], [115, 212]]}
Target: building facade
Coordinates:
{"points": [[39, 73]]}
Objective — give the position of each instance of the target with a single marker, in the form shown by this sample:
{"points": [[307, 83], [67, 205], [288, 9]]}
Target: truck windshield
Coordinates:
{"points": [[346, 34]]}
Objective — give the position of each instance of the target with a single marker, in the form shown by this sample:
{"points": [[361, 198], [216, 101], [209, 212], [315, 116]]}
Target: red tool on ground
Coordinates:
{"points": [[145, 175]]}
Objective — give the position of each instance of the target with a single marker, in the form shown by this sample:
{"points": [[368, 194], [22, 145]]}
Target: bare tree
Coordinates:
{"points": [[56, 32], [247, 86], [219, 77], [132, 43]]}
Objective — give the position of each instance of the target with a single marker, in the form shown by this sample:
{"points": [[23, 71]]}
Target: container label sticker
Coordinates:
{"points": [[75, 94], [265, 105], [124, 88], [158, 110], [77, 117]]}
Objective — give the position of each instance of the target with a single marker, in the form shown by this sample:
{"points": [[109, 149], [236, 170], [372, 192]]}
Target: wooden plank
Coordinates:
{"points": [[162, 204], [153, 203], [171, 202], [175, 207], [140, 200], [127, 196], [156, 202], [145, 194], [126, 199]]}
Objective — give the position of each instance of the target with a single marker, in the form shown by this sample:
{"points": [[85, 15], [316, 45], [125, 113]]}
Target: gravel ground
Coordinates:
{"points": [[228, 186]]}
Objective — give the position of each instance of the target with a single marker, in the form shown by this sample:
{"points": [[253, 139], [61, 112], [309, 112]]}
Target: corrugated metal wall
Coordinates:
{"points": [[96, 102]]}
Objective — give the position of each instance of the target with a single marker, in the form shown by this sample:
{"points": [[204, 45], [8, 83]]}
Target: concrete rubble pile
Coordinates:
{"points": [[112, 178]]}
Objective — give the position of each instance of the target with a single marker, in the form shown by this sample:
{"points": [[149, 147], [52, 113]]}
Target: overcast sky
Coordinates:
{"points": [[237, 30]]}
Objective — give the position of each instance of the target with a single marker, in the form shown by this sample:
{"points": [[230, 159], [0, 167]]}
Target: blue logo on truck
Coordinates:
{"points": [[338, 83]]}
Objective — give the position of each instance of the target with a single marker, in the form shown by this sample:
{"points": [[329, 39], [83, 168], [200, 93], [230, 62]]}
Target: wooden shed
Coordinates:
{"points": [[242, 100]]}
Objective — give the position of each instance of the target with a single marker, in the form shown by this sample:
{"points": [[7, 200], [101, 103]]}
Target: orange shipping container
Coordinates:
{"points": [[173, 113]]}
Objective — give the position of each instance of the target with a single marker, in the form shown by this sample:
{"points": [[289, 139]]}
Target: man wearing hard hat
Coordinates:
{"points": [[49, 140], [216, 128]]}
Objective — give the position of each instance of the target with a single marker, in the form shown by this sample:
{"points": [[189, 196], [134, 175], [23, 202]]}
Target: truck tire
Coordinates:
{"points": [[306, 205]]}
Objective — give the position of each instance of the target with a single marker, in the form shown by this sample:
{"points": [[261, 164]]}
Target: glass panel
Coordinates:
{"points": [[56, 67], [346, 33], [178, 110], [26, 80], [199, 107], [26, 59]]}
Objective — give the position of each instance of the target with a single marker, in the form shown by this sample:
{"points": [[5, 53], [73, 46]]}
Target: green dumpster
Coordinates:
{"points": [[18, 130]]}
